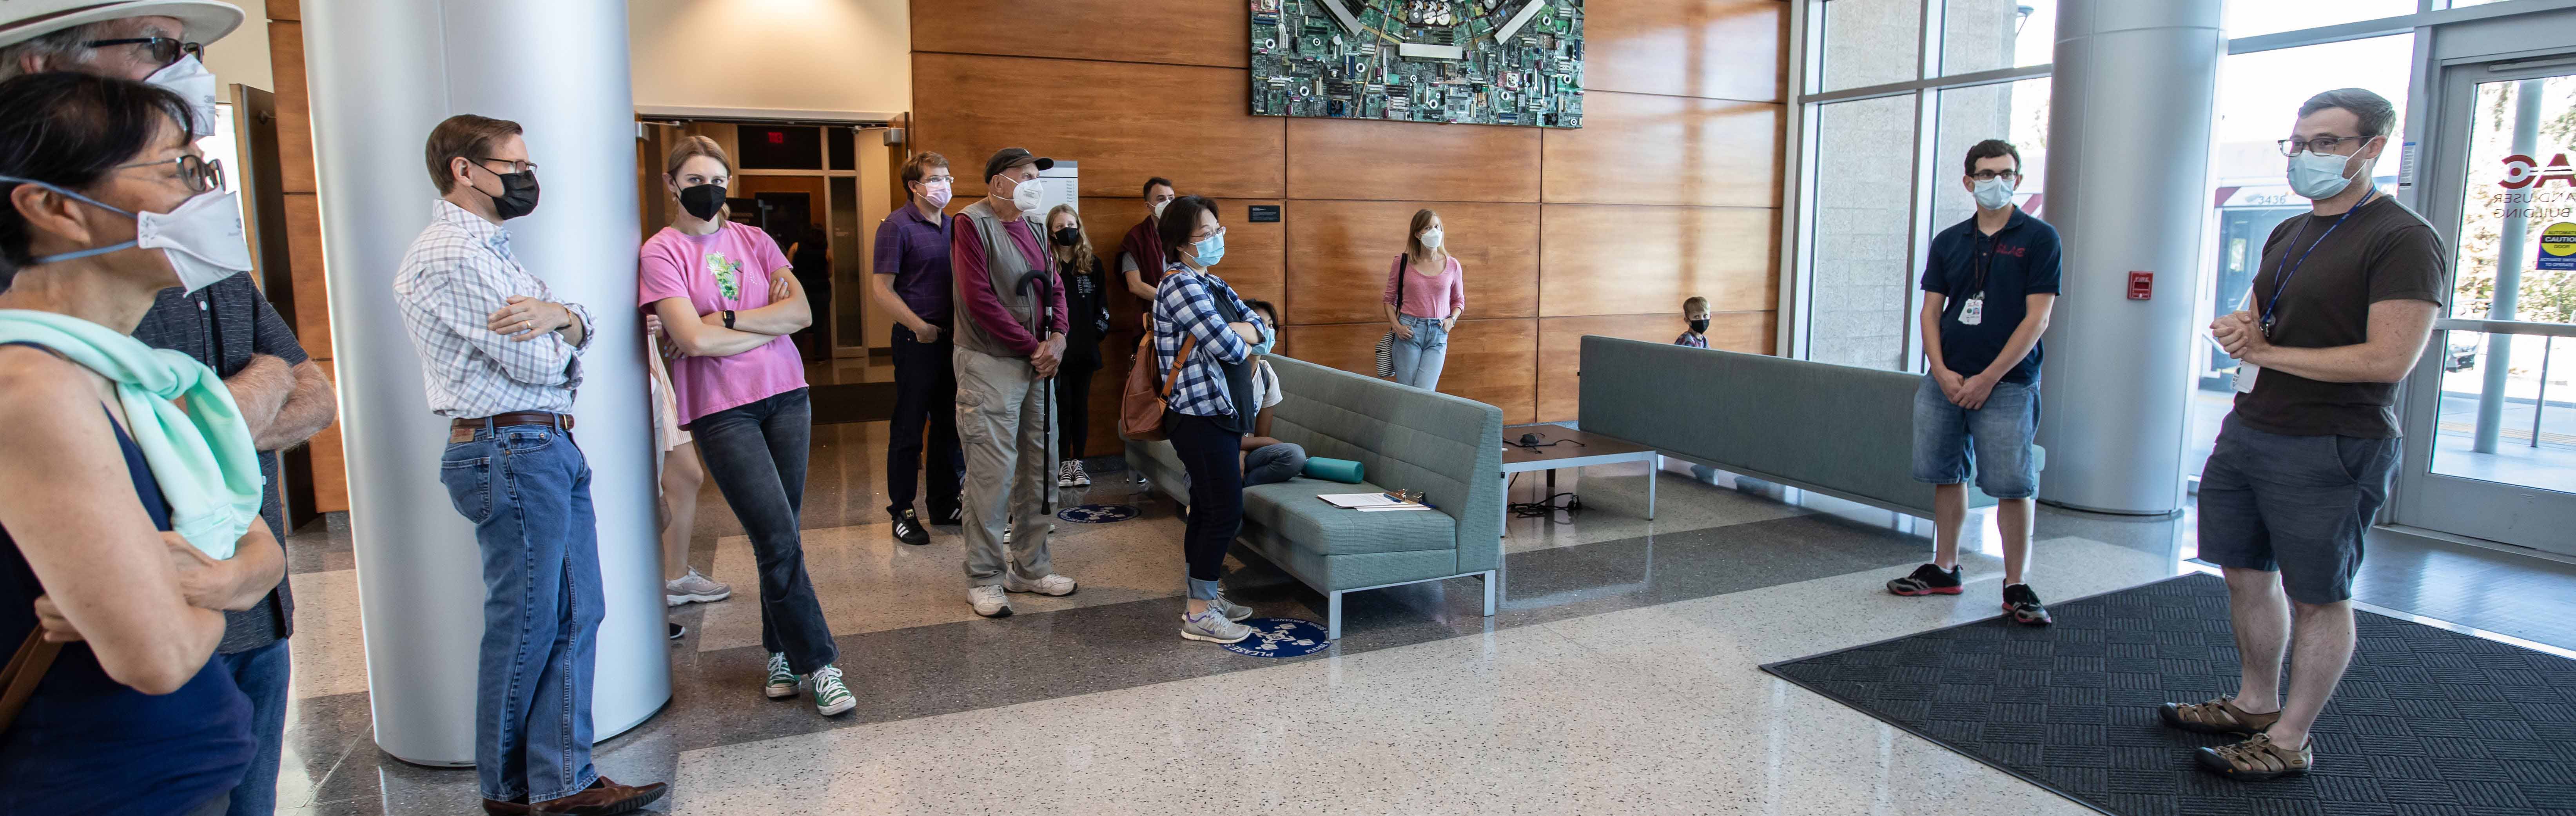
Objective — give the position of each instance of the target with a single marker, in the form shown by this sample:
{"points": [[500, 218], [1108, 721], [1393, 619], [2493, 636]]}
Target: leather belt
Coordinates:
{"points": [[462, 430]]}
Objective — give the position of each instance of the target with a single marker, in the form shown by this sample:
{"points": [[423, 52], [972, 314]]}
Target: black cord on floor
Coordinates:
{"points": [[1544, 507]]}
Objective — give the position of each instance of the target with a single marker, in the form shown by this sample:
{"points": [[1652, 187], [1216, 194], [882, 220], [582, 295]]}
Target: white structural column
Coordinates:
{"points": [[383, 72], [2131, 103]]}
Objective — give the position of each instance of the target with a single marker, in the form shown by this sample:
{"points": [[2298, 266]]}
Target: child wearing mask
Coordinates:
{"points": [[1265, 459], [1694, 310]]}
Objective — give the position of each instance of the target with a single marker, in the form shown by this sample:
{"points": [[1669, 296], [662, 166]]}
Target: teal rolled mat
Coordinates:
{"points": [[1335, 470]]}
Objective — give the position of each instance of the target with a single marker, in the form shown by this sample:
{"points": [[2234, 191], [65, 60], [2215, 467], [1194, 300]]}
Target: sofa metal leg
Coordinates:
{"points": [[1333, 616], [1493, 581]]}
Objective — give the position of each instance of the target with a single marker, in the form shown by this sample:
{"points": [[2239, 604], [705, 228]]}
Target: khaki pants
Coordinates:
{"points": [[1002, 413]]}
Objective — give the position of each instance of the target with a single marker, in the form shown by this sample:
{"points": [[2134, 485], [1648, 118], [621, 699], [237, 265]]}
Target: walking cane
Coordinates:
{"points": [[1046, 418]]}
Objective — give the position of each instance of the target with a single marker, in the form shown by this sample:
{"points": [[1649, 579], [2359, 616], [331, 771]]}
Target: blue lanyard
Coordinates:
{"points": [[2288, 268]]}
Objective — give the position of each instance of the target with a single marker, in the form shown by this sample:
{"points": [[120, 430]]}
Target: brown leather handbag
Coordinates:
{"points": [[1140, 406], [26, 669]]}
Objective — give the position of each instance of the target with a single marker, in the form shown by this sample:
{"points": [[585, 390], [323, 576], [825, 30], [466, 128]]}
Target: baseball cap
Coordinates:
{"points": [[1011, 157]]}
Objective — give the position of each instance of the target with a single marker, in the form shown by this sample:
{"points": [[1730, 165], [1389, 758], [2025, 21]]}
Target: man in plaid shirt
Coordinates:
{"points": [[502, 359]]}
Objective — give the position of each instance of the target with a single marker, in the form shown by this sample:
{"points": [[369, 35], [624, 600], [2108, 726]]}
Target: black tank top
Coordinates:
{"points": [[88, 744]]}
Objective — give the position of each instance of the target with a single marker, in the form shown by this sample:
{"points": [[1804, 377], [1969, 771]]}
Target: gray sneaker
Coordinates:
{"points": [[1211, 626], [1233, 611], [693, 588]]}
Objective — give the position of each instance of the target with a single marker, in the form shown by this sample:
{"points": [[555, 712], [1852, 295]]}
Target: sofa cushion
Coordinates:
{"points": [[1292, 513]]}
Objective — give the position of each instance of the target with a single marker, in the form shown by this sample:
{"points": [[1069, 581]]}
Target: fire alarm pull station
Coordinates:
{"points": [[2142, 285]]}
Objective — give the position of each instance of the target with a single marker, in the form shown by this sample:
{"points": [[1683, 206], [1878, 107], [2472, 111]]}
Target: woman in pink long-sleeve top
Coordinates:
{"points": [[1426, 291]]}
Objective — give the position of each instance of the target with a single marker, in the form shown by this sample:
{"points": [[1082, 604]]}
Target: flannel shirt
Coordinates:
{"points": [[457, 273], [1186, 302]]}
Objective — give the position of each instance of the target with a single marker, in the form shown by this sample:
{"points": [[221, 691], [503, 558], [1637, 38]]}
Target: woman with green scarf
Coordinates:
{"points": [[129, 493]]}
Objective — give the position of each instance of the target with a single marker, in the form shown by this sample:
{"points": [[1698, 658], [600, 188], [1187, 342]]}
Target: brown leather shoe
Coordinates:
{"points": [[602, 798]]}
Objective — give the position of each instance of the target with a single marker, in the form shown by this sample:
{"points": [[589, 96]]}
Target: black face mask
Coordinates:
{"points": [[1699, 326], [518, 193], [703, 201], [1068, 236]]}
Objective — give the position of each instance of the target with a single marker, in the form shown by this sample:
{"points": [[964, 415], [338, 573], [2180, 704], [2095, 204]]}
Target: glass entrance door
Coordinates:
{"points": [[2490, 411]]}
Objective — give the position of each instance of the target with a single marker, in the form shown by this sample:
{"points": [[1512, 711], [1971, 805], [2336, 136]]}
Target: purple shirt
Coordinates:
{"points": [[914, 249]]}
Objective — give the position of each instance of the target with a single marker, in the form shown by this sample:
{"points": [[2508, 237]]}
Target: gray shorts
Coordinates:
{"points": [[2298, 505]]}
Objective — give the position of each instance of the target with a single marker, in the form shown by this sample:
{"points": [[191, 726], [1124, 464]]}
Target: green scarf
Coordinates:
{"points": [[202, 456]]}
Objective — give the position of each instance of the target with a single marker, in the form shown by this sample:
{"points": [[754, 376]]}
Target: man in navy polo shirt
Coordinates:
{"points": [[1987, 290]]}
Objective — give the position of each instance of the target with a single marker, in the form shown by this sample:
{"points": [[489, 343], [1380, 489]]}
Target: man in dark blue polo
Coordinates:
{"points": [[913, 284], [1987, 290]]}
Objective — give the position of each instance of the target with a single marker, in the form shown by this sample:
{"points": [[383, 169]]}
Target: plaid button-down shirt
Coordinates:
{"points": [[1187, 303], [458, 272]]}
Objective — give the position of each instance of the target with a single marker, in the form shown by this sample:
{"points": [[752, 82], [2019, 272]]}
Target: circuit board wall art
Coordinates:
{"points": [[1484, 62]]}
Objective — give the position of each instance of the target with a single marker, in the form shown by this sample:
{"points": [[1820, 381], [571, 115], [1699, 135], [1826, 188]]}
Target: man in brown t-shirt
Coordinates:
{"points": [[2341, 309]]}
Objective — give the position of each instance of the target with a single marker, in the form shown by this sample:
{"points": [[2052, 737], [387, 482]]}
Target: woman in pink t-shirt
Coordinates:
{"points": [[1426, 291], [729, 301]]}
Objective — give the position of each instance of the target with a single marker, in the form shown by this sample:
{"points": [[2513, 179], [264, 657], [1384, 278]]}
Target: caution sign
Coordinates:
{"points": [[2558, 246]]}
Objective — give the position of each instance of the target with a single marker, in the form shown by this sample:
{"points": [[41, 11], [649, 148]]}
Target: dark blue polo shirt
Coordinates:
{"points": [[2017, 261]]}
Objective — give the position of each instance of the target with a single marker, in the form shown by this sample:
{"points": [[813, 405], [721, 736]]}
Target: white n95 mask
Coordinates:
{"points": [[202, 237], [191, 81]]}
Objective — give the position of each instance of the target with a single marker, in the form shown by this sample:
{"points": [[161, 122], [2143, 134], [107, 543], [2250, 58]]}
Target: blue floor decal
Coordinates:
{"points": [[1098, 513], [1281, 637]]}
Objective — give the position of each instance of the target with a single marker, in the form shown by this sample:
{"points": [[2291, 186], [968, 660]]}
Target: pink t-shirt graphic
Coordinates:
{"points": [[730, 269]]}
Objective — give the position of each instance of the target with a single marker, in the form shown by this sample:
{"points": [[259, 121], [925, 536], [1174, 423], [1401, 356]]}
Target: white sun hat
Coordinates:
{"points": [[204, 21]]}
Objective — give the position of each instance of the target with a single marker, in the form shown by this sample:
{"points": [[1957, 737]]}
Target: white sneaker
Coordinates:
{"points": [[1052, 585], [1064, 475], [1211, 626], [1081, 475], [989, 601], [782, 681], [830, 695], [693, 588]]}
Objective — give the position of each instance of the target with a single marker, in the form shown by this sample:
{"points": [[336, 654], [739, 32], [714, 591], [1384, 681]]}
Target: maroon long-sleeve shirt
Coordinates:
{"points": [[975, 283]]}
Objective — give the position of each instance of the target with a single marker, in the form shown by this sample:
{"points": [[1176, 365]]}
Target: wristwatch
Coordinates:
{"points": [[728, 313]]}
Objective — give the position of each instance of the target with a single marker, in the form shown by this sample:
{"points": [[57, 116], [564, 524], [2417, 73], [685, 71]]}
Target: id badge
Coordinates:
{"points": [[2245, 373], [1973, 312]]}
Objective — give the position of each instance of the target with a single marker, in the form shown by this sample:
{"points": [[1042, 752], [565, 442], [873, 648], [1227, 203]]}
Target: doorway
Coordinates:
{"points": [[2490, 413]]}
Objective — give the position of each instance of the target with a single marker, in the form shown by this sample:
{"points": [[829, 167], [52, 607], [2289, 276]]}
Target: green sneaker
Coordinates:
{"points": [[782, 682], [830, 696]]}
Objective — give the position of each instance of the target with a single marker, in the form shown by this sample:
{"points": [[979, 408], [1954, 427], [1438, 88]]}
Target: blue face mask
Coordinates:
{"points": [[1269, 339], [1211, 250]]}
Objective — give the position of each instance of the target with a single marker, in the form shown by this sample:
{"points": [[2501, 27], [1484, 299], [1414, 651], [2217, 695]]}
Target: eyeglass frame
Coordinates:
{"points": [[2291, 147], [514, 164], [1987, 175], [184, 48], [208, 176]]}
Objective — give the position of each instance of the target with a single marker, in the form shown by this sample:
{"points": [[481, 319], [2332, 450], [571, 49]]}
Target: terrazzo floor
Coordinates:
{"points": [[1619, 677]]}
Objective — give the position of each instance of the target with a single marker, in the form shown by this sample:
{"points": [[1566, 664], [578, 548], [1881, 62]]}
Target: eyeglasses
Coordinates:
{"points": [[520, 166], [2321, 144], [164, 50], [1220, 230], [1990, 175], [938, 179], [201, 174]]}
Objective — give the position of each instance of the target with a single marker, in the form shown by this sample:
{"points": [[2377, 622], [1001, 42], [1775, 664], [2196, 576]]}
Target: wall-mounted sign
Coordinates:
{"points": [[1485, 62], [2558, 246], [1264, 214]]}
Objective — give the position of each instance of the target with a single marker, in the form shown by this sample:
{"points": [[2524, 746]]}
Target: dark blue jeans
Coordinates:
{"points": [[1213, 456], [527, 490], [756, 454], [925, 399], [262, 674]]}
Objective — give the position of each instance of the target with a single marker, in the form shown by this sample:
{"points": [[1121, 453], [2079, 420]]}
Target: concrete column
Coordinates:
{"points": [[382, 73], [2134, 93]]}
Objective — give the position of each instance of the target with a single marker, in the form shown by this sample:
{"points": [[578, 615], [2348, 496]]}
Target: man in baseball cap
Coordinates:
{"points": [[155, 41]]}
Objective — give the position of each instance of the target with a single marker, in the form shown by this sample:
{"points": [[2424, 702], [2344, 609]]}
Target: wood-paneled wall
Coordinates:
{"points": [[1671, 188]]}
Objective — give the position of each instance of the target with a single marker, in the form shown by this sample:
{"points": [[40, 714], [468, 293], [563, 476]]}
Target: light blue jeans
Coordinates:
{"points": [[1418, 361], [527, 490]]}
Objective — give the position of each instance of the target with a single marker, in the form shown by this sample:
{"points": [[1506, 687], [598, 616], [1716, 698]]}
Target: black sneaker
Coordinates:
{"points": [[1927, 580], [2024, 606], [953, 516], [678, 631], [908, 529]]}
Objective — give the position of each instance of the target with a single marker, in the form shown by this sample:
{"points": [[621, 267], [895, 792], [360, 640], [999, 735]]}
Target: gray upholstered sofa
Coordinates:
{"points": [[1838, 430], [1447, 447]]}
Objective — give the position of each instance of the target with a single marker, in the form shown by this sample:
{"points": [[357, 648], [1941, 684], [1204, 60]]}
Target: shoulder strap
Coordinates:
{"points": [[26, 669], [1189, 342], [1403, 264]]}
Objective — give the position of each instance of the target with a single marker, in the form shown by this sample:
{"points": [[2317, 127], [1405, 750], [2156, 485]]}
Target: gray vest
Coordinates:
{"points": [[1003, 259]]}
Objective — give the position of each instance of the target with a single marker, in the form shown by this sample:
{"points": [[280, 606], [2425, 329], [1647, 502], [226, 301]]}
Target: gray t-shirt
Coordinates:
{"points": [[2383, 252]]}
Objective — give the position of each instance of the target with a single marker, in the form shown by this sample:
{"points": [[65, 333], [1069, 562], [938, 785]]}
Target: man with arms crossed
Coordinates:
{"points": [[1987, 292], [502, 359], [2340, 310]]}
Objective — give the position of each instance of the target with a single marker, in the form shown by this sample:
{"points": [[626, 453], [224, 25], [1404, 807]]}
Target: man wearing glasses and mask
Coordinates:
{"points": [[223, 322]]}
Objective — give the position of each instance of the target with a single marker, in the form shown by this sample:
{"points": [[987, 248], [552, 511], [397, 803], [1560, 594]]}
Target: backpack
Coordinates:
{"points": [[1386, 344], [1141, 405]]}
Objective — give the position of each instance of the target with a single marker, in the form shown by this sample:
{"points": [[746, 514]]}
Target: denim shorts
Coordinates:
{"points": [[1995, 438], [2297, 505]]}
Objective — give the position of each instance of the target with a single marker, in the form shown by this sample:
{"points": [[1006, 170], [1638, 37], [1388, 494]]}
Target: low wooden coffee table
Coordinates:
{"points": [[1578, 450]]}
